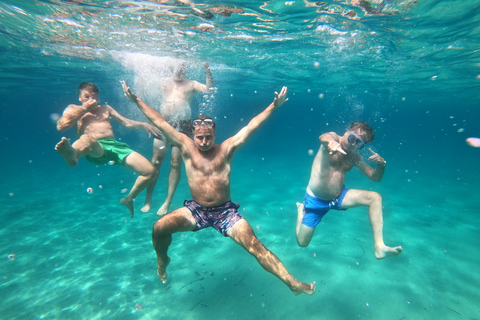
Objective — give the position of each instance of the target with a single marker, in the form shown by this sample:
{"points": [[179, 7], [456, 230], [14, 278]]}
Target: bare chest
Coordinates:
{"points": [[98, 117]]}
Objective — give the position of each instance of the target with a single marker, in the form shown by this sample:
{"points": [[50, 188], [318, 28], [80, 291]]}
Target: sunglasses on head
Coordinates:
{"points": [[208, 122], [355, 141]]}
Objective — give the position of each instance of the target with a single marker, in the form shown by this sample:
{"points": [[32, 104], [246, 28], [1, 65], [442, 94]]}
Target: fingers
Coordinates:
{"points": [[373, 152], [341, 151], [124, 86]]}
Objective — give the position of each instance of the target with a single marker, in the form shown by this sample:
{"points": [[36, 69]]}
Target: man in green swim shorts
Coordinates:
{"points": [[97, 142]]}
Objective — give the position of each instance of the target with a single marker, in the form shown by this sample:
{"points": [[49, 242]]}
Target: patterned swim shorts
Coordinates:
{"points": [[221, 218]]}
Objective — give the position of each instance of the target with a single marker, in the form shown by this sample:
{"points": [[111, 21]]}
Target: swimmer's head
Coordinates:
{"points": [[87, 91], [87, 86], [179, 72], [363, 130], [203, 132]]}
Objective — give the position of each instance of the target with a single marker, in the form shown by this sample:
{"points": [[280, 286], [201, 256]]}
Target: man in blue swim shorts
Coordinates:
{"points": [[208, 168], [337, 155], [315, 208], [97, 142]]}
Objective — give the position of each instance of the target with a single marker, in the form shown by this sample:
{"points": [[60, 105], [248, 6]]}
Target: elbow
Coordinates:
{"points": [[209, 90], [61, 127]]}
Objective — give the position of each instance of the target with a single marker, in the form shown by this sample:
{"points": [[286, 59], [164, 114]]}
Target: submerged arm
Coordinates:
{"points": [[132, 124], [246, 132], [374, 174], [205, 88], [156, 118], [73, 113]]}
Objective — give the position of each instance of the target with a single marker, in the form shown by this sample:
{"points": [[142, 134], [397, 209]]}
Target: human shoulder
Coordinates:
{"points": [[72, 106], [327, 136]]}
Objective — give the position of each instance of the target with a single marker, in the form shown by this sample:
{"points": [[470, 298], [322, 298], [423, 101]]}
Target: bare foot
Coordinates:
{"points": [[146, 207], [162, 270], [308, 288], [163, 209], [65, 149], [128, 204], [387, 252]]}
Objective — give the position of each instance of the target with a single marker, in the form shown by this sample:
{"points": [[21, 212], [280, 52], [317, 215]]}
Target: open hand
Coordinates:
{"points": [[280, 98], [152, 130], [128, 93]]}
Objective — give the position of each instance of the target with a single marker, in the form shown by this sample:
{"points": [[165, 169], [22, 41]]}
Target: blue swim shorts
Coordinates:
{"points": [[315, 208], [222, 218]]}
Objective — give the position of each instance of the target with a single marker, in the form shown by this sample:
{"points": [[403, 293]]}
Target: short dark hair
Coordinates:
{"points": [[87, 86], [365, 128]]}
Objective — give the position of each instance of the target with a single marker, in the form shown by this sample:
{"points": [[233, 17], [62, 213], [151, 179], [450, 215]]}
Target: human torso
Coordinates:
{"points": [[176, 99], [328, 173], [96, 123], [208, 175]]}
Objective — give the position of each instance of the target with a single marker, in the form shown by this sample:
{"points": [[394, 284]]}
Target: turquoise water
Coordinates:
{"points": [[412, 71]]}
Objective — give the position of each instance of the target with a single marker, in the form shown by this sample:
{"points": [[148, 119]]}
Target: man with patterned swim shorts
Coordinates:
{"points": [[97, 142], [208, 168], [337, 155]]}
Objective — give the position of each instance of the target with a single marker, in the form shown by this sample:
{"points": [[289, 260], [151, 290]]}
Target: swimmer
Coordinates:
{"points": [[208, 168], [337, 155], [177, 94], [97, 142]]}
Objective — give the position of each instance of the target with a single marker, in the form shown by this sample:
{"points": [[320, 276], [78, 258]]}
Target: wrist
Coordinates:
{"points": [[382, 164], [84, 109]]}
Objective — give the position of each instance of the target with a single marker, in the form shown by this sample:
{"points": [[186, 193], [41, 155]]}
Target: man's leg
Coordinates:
{"points": [[159, 153], [173, 179], [138, 163], [304, 233], [243, 234], [80, 148], [356, 198], [176, 221]]}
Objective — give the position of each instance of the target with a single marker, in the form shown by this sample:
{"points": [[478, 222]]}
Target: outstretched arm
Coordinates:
{"points": [[246, 132], [132, 124], [205, 88], [156, 118], [209, 77]]}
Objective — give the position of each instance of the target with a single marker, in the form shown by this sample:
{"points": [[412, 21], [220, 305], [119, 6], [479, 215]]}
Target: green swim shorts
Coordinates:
{"points": [[113, 151]]}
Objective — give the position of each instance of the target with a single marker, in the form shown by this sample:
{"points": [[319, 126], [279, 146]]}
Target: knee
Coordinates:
{"points": [[175, 164], [375, 198], [156, 162], [149, 172], [302, 243], [255, 247], [158, 229]]}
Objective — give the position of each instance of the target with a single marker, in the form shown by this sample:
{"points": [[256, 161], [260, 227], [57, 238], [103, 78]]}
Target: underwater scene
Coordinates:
{"points": [[76, 231]]}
